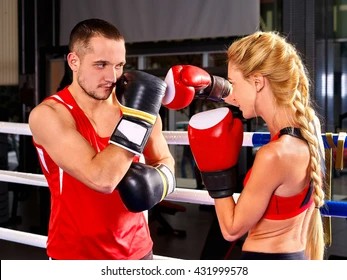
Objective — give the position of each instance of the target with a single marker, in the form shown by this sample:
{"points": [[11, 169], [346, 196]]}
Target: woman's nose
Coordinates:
{"points": [[230, 99]]}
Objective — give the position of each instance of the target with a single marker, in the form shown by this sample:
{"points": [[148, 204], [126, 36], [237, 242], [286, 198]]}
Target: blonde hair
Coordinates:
{"points": [[271, 55]]}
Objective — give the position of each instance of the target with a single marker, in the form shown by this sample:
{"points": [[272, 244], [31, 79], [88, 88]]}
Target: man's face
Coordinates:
{"points": [[100, 67]]}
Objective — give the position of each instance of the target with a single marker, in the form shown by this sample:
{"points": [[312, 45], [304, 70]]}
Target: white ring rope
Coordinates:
{"points": [[22, 237], [250, 139], [15, 128], [23, 178], [37, 240], [172, 137], [180, 194]]}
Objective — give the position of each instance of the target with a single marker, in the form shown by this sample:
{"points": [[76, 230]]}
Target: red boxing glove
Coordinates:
{"points": [[185, 82], [215, 139]]}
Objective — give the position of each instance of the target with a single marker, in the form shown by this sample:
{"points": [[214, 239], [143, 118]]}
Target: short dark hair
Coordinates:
{"points": [[89, 28]]}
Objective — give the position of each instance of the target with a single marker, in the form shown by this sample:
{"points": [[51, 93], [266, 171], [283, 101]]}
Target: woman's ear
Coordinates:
{"points": [[259, 81]]}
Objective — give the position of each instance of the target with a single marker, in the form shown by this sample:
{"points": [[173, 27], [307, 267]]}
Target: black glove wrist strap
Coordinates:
{"points": [[222, 183], [131, 134], [219, 89]]}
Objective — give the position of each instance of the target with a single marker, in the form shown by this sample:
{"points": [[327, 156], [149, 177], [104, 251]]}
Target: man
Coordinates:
{"points": [[88, 144]]}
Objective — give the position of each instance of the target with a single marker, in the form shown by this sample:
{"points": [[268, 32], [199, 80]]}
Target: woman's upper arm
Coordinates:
{"points": [[255, 196]]}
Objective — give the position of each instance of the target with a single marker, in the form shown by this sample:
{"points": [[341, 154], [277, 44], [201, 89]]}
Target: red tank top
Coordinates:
{"points": [[86, 224], [280, 207]]}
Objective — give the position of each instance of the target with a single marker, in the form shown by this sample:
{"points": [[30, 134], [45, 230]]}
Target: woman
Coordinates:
{"points": [[279, 205]]}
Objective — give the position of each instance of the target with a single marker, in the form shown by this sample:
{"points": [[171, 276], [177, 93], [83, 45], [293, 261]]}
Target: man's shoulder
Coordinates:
{"points": [[49, 109]]}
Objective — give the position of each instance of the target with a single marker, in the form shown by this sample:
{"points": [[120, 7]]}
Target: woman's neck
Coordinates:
{"points": [[279, 118]]}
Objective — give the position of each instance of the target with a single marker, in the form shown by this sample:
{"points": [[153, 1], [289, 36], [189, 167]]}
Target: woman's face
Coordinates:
{"points": [[243, 94]]}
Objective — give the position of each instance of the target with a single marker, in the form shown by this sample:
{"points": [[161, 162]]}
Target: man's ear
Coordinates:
{"points": [[73, 61], [259, 81]]}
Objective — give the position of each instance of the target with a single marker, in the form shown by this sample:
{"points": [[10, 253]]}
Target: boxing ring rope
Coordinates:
{"points": [[251, 139]]}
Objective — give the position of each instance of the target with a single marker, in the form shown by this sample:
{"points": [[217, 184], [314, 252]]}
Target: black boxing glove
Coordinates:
{"points": [[140, 95], [143, 186]]}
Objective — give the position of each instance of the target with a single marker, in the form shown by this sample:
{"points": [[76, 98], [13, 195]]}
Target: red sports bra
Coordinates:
{"points": [[280, 207]]}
